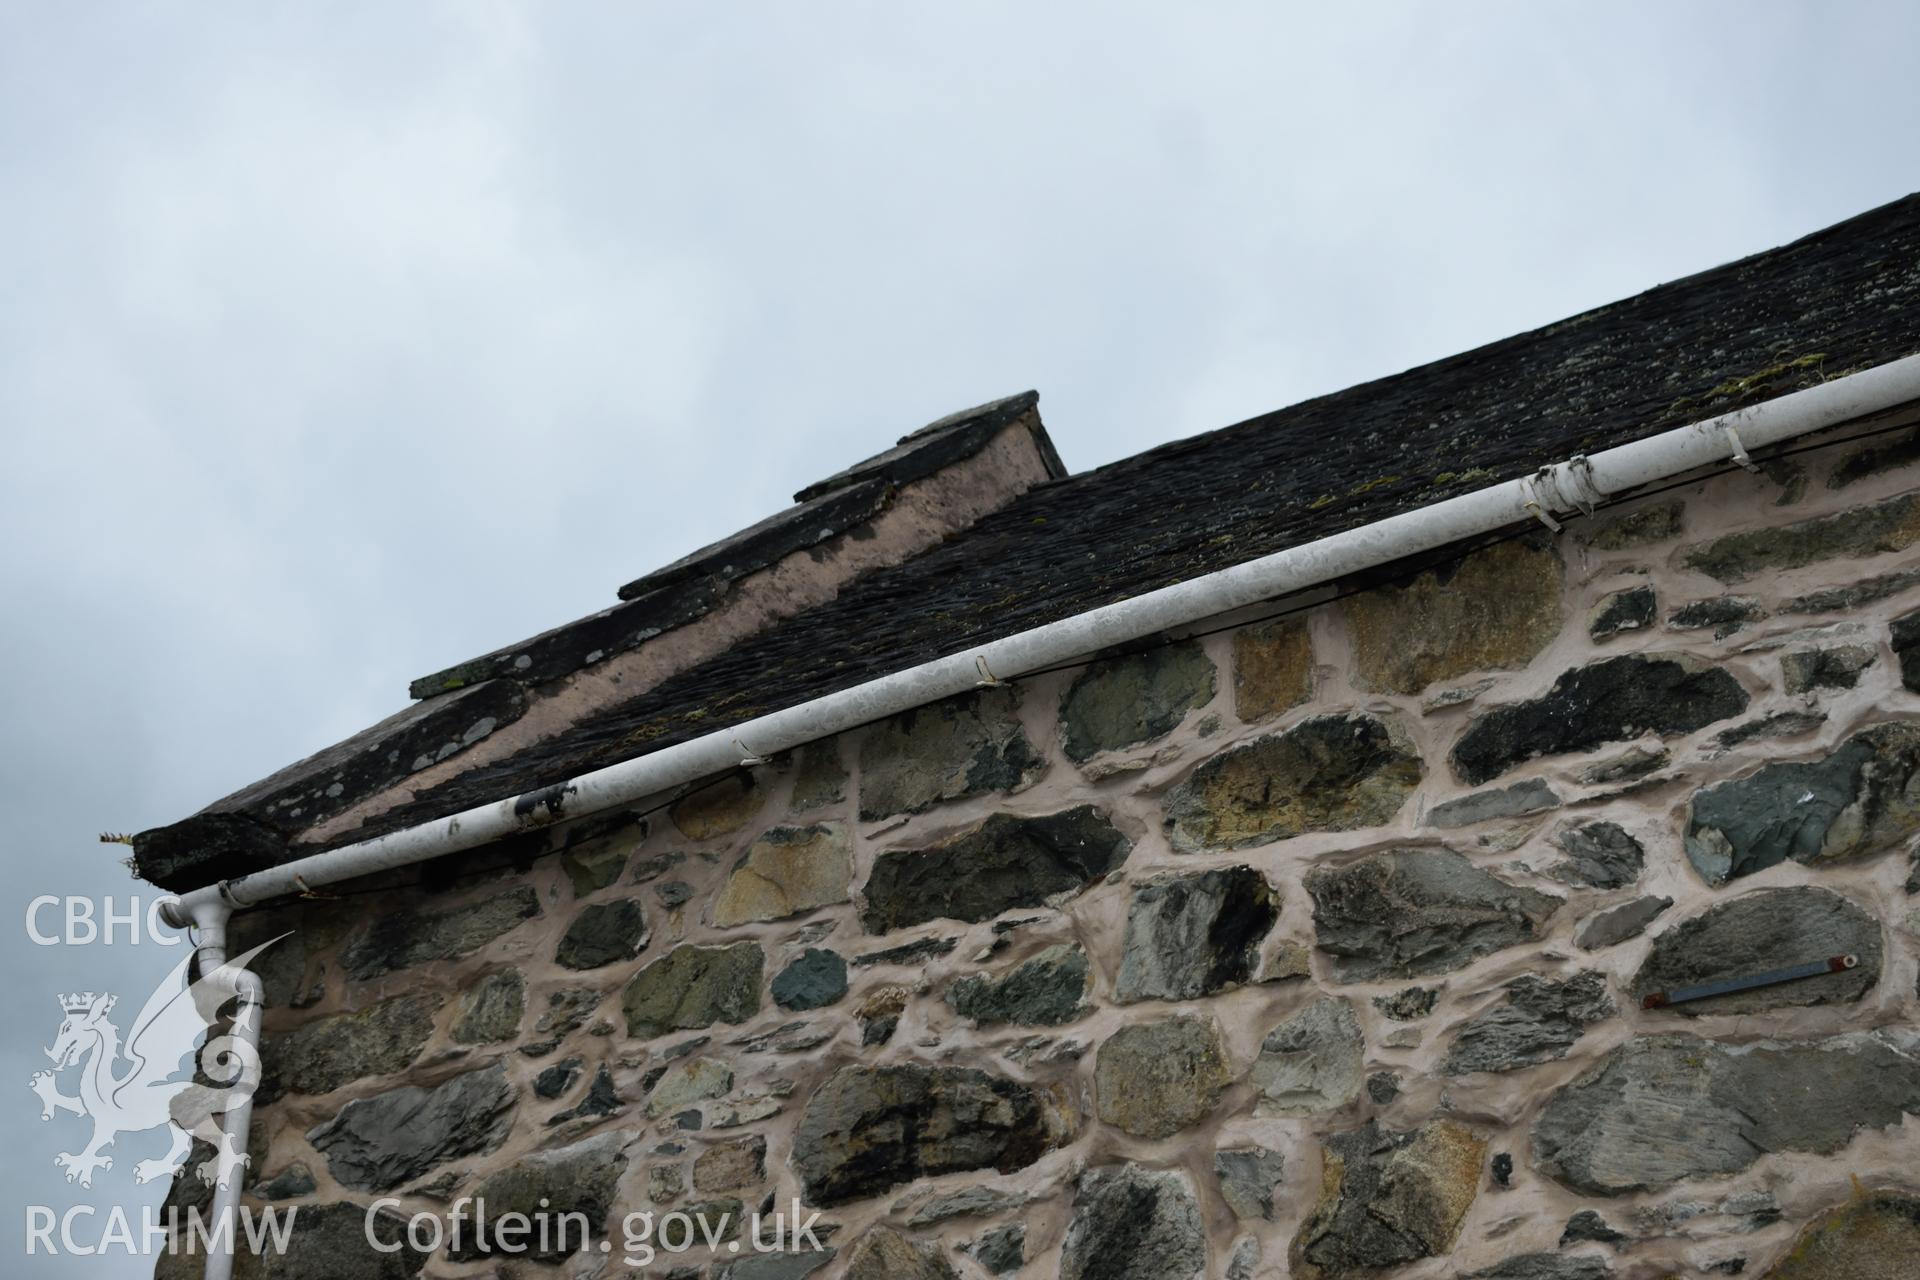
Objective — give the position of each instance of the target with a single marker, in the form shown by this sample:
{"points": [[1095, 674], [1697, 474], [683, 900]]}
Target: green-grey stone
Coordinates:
{"points": [[324, 1242], [686, 1082], [1248, 1177], [819, 779], [1612, 700], [814, 980], [775, 1266], [1778, 724], [594, 867], [1614, 926], [1634, 762], [721, 1219], [1490, 610], [378, 1143], [885, 1254], [567, 1011], [966, 1202], [1327, 773], [334, 1051], [1599, 853], [963, 746], [1410, 912], [1045, 991], [1725, 614], [1410, 1004], [602, 934], [1546, 1266], [1804, 670], [1874, 457], [490, 1011], [1853, 594], [1001, 1250], [1153, 1079], [1636, 528], [1388, 1199], [1120, 702], [1874, 529], [1515, 801], [294, 934], [693, 987], [1904, 636], [1763, 930], [1629, 610], [1191, 934], [1003, 863], [1134, 1223], [1311, 1063], [1538, 1021], [557, 1079], [1861, 800], [868, 1129], [402, 939], [546, 1185], [1720, 1107], [290, 1183], [1874, 1236]]}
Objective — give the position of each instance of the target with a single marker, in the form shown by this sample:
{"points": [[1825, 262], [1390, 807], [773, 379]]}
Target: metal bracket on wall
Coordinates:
{"points": [[1739, 453], [987, 679], [1726, 986], [1534, 502]]}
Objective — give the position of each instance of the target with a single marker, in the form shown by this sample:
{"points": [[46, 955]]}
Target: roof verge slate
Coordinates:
{"points": [[693, 585]]}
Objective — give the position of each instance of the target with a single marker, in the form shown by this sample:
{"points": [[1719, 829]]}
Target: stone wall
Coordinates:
{"points": [[1314, 947]]}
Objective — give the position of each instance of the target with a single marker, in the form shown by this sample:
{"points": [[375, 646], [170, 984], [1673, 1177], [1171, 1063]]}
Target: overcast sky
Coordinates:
{"points": [[338, 343]]}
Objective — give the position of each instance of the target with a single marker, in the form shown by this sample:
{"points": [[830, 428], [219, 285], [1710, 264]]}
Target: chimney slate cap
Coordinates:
{"points": [[940, 444]]}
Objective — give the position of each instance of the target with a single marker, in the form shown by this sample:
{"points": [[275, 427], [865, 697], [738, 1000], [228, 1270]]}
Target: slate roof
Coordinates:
{"points": [[1837, 301]]}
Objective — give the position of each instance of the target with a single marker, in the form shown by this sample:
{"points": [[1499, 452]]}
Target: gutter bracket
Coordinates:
{"points": [[1533, 503], [1739, 452], [1588, 499], [308, 891]]}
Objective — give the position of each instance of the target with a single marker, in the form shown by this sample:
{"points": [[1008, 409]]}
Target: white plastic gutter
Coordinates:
{"points": [[1564, 488]]}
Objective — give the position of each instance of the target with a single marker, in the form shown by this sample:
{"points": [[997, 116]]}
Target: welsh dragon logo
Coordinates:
{"points": [[143, 1083]]}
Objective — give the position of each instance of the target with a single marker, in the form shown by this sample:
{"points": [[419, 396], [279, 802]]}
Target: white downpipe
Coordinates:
{"points": [[1559, 489], [210, 955]]}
